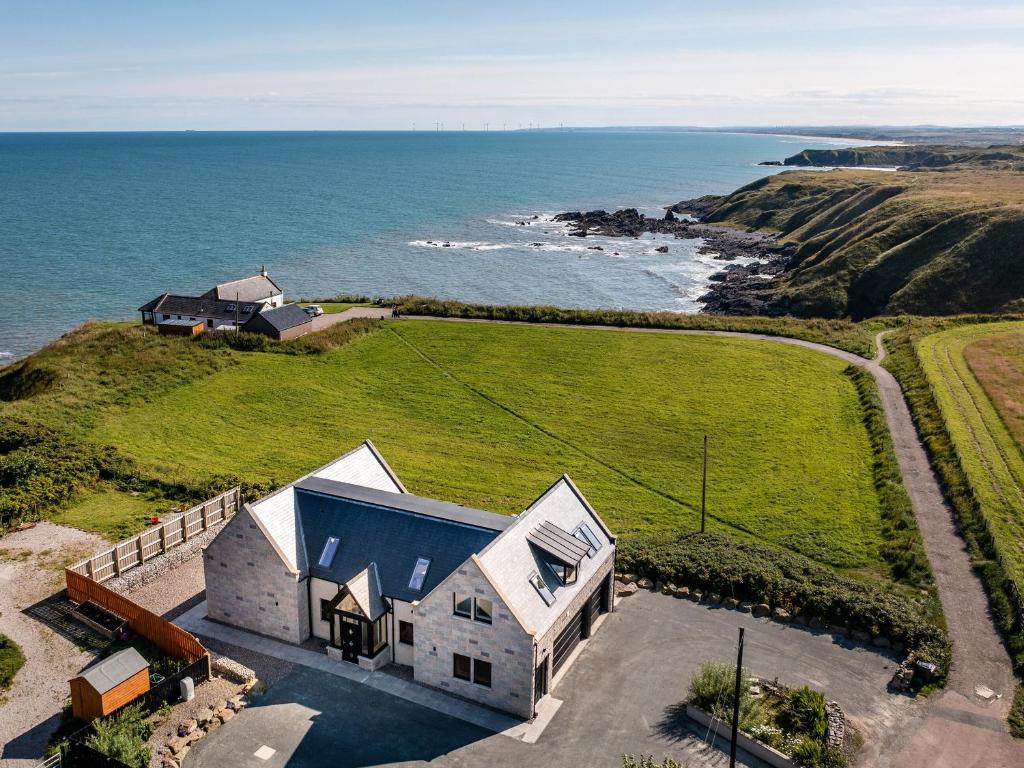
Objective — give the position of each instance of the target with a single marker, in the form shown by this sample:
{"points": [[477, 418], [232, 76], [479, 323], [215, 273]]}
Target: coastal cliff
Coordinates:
{"points": [[996, 157], [864, 243]]}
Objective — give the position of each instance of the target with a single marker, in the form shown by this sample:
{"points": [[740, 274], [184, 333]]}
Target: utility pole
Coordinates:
{"points": [[736, 702], [704, 486], [236, 310]]}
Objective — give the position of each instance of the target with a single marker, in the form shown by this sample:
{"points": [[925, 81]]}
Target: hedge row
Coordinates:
{"points": [[838, 333], [329, 338], [906, 367], [903, 549], [756, 572]]}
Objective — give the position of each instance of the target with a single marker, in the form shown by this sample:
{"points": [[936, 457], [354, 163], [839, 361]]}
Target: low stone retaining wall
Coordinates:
{"points": [[751, 746], [194, 729], [231, 669]]}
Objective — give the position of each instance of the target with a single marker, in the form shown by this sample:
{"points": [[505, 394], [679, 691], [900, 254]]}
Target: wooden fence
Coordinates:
{"points": [[156, 541], [171, 639]]}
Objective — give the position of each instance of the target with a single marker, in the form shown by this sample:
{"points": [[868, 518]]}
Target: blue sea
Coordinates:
{"points": [[92, 225]]}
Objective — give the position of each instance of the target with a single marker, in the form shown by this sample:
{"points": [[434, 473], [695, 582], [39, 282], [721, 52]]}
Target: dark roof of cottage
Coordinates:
{"points": [[557, 544], [393, 530], [285, 317], [114, 670], [199, 306], [255, 288]]}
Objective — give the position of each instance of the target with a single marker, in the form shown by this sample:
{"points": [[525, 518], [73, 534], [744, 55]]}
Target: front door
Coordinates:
{"points": [[351, 639]]}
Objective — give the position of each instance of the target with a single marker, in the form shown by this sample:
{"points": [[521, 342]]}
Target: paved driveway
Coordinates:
{"points": [[620, 696]]}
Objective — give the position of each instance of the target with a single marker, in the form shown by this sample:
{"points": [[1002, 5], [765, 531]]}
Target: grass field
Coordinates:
{"points": [[113, 514], [990, 457], [332, 307], [491, 415], [997, 362]]}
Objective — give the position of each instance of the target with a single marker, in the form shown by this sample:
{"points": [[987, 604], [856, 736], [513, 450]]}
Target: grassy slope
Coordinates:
{"points": [[991, 459], [113, 514], [869, 243], [997, 362], [11, 660], [501, 411]]}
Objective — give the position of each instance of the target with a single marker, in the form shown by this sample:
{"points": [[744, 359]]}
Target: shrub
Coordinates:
{"points": [[803, 712], [760, 573], [1016, 716], [123, 737], [713, 689], [329, 338], [807, 752], [647, 761], [11, 660]]}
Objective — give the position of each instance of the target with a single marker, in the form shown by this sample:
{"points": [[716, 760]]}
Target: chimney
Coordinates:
{"points": [[263, 271]]}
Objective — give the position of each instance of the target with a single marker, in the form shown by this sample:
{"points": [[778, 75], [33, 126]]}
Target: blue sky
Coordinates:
{"points": [[110, 65]]}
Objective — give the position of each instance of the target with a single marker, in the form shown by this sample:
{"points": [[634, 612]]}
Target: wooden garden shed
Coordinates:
{"points": [[109, 684]]}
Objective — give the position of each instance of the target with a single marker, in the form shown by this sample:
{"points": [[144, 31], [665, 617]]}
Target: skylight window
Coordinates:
{"points": [[231, 308], [247, 308], [419, 573], [584, 534], [330, 549], [542, 588]]}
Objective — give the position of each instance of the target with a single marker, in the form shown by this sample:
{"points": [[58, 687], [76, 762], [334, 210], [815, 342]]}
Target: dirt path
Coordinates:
{"points": [[955, 728], [32, 569]]}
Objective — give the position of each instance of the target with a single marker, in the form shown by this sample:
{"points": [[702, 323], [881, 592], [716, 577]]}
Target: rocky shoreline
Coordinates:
{"points": [[739, 288]]}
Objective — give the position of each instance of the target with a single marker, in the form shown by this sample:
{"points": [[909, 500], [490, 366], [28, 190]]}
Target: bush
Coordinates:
{"points": [[713, 689], [329, 338], [123, 737], [11, 660], [903, 549], [759, 573], [647, 761], [1016, 716], [803, 712]]}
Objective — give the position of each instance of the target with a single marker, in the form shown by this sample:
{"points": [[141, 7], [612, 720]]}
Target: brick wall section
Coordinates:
{"points": [[547, 640], [504, 643], [249, 586]]}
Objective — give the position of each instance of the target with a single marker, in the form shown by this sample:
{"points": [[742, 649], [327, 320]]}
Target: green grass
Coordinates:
{"points": [[491, 415], [113, 514], [11, 660], [987, 451]]}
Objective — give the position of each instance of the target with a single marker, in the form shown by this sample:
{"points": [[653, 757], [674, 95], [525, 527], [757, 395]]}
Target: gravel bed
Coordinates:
{"points": [[31, 570], [268, 669], [155, 569], [175, 590]]}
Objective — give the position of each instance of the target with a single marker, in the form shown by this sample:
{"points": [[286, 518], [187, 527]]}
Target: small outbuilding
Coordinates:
{"points": [[109, 684], [183, 327], [281, 323]]}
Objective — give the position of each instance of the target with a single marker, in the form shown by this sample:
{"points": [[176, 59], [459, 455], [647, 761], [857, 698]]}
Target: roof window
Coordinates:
{"points": [[419, 573], [586, 535], [330, 549], [542, 588]]}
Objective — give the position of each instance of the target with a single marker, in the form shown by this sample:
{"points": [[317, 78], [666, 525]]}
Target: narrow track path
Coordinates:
{"points": [[956, 727]]}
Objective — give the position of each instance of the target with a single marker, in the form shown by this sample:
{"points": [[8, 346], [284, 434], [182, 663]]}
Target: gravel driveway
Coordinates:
{"points": [[31, 569]]}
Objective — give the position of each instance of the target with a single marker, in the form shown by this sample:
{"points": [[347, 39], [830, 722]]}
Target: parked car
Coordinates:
{"points": [[314, 309]]}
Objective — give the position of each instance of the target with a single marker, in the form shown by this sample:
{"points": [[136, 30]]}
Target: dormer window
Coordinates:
{"points": [[330, 549], [419, 573], [565, 573]]}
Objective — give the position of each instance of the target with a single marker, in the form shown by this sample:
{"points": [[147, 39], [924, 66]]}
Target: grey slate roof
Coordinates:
{"points": [[197, 306], [391, 530], [255, 288], [285, 317], [115, 669], [409, 503]]}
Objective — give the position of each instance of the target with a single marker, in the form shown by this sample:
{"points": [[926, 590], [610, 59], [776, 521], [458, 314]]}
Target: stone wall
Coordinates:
{"points": [[249, 586], [504, 643]]}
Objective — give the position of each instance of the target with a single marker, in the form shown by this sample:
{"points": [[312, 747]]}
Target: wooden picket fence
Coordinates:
{"points": [[172, 640], [151, 543]]}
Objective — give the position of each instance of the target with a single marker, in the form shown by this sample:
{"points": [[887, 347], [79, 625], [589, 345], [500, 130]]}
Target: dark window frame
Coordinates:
{"points": [[406, 632], [482, 680], [326, 611], [489, 618], [455, 667], [566, 574], [455, 605]]}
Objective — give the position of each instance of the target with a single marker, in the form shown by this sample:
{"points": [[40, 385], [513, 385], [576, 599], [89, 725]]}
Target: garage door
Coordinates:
{"points": [[566, 641]]}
